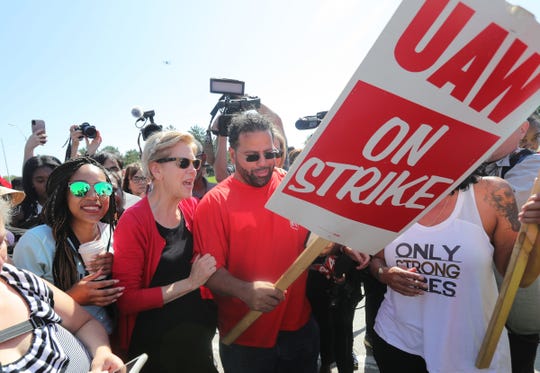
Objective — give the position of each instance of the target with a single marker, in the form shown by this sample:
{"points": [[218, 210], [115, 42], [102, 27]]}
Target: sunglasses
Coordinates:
{"points": [[182, 163], [81, 188], [267, 155]]}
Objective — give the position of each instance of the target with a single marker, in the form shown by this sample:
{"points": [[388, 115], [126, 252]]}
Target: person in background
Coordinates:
{"points": [[80, 209], [519, 167], [51, 324], [530, 140], [281, 146], [119, 196], [113, 163], [293, 154], [14, 197], [92, 145], [134, 180], [163, 312], [334, 288], [201, 185], [35, 174], [34, 140], [441, 282]]}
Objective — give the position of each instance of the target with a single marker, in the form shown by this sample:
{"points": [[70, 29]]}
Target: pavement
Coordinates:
{"points": [[366, 362]]}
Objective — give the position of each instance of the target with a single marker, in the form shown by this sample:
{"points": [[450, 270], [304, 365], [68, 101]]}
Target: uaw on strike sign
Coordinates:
{"points": [[444, 85]]}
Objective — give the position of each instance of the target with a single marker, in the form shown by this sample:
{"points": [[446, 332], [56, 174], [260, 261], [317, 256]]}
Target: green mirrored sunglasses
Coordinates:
{"points": [[81, 188]]}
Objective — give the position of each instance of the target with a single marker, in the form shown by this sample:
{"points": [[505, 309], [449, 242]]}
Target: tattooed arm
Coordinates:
{"points": [[499, 213]]}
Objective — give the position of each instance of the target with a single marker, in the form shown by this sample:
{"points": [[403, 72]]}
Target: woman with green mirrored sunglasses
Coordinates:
{"points": [[81, 185]]}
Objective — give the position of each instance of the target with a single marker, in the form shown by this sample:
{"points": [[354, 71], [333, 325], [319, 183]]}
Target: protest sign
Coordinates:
{"points": [[445, 84]]}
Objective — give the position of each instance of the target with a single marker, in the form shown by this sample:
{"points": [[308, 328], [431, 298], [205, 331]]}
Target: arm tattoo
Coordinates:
{"points": [[502, 198]]}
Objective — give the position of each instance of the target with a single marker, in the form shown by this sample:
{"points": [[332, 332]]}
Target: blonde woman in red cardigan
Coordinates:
{"points": [[162, 311]]}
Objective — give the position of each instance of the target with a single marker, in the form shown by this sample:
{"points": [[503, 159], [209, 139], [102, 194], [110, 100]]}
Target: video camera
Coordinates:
{"points": [[311, 121], [232, 101]]}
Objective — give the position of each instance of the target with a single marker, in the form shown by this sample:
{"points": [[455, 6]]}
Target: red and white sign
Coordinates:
{"points": [[444, 85]]}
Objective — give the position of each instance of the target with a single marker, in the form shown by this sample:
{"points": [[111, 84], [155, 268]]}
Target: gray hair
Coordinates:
{"points": [[159, 144]]}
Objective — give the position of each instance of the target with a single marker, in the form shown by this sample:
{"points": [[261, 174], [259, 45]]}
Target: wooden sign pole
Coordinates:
{"points": [[304, 260], [514, 273]]}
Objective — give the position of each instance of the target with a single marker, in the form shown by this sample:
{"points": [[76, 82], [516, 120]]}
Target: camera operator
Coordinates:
{"points": [[76, 134], [222, 169]]}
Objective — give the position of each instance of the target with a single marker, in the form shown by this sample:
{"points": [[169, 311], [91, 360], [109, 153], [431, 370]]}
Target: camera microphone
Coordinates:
{"points": [[137, 113]]}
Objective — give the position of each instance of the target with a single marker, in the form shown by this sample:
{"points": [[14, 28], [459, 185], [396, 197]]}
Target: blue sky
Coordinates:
{"points": [[69, 62]]}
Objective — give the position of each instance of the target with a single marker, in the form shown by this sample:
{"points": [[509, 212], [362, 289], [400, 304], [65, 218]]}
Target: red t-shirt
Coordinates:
{"points": [[253, 244]]}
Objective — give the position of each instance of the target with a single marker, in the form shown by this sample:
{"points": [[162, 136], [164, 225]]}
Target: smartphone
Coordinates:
{"points": [[38, 125], [133, 366]]}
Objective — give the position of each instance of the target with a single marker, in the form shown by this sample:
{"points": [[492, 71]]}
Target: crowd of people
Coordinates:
{"points": [[176, 257]]}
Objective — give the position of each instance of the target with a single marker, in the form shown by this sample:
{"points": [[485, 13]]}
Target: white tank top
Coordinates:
{"points": [[445, 325]]}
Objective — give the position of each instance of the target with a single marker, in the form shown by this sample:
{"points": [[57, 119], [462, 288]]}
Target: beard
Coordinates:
{"points": [[251, 177]]}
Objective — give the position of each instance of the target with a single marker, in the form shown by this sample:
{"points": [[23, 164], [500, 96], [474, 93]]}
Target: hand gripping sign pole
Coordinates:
{"points": [[302, 262], [515, 274]]}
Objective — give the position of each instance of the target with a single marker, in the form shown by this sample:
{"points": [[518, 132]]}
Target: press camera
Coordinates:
{"points": [[311, 121], [87, 130], [232, 101]]}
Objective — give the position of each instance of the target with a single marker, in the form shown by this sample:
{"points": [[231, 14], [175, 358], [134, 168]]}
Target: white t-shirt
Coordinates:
{"points": [[445, 325]]}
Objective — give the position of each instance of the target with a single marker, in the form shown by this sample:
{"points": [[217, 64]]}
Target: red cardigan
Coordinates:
{"points": [[137, 252]]}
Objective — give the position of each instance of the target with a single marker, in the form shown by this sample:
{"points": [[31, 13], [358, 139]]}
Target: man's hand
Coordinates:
{"points": [[530, 212], [263, 296]]}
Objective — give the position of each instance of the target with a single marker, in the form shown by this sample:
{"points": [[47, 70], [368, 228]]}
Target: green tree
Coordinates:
{"points": [[111, 149], [131, 156], [198, 132]]}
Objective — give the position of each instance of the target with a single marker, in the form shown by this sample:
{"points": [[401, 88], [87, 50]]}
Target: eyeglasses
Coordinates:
{"points": [[139, 179], [182, 163], [267, 155], [81, 188]]}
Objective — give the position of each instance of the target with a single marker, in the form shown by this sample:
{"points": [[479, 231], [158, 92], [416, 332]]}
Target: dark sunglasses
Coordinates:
{"points": [[182, 163], [267, 155], [81, 188]]}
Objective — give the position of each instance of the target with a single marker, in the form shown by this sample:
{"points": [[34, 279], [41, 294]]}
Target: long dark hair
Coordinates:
{"points": [[58, 217], [29, 204]]}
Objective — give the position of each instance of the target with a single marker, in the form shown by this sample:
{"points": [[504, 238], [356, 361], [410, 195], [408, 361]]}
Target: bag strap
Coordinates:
{"points": [[21, 328]]}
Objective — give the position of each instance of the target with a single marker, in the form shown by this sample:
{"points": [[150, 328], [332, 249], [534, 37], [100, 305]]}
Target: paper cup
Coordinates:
{"points": [[89, 250]]}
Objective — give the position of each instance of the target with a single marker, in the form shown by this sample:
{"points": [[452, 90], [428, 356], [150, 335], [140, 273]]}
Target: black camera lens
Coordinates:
{"points": [[87, 130]]}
